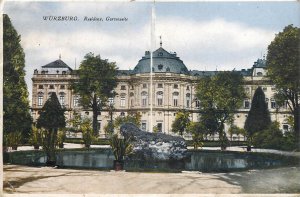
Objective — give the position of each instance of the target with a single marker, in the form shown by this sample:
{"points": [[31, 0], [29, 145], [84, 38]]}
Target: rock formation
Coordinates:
{"points": [[154, 146]]}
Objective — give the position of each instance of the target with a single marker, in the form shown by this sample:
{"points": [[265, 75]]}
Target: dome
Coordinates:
{"points": [[163, 61]]}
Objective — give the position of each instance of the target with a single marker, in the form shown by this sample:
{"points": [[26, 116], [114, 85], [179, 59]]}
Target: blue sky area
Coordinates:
{"points": [[205, 35]]}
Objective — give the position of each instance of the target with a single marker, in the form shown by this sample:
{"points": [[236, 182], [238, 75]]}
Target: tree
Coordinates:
{"points": [[97, 79], [198, 132], [16, 114], [181, 122], [258, 117], [283, 64], [220, 96], [134, 118], [51, 119]]}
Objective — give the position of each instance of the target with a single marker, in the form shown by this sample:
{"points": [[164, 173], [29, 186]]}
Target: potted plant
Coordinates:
{"points": [[61, 136], [121, 147], [35, 138]]}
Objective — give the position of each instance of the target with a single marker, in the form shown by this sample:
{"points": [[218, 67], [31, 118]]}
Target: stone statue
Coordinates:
{"points": [[154, 146]]}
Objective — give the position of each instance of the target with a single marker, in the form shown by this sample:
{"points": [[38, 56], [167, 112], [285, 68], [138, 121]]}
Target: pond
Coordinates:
{"points": [[204, 161]]}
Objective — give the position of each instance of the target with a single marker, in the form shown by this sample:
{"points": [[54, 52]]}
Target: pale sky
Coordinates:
{"points": [[205, 35]]}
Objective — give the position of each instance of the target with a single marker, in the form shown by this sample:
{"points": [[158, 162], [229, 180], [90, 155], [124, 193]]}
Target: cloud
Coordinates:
{"points": [[215, 42]]}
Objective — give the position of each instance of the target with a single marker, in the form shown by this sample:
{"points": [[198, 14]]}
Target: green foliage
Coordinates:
{"points": [[134, 118], [97, 79], [13, 139], [61, 137], [51, 119], [16, 113], [181, 122], [35, 138], [273, 138], [111, 127], [220, 95], [258, 117], [87, 132], [283, 69], [120, 147], [233, 129], [155, 129], [198, 132]]}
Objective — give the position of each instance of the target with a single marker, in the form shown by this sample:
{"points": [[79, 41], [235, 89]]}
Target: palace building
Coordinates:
{"points": [[173, 89]]}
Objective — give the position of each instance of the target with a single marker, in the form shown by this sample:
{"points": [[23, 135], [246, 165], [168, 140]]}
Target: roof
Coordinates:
{"points": [[260, 63], [163, 61], [57, 64]]}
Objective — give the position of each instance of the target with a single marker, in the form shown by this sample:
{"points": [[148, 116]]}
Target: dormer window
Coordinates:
{"points": [[160, 54], [64, 72], [259, 74]]}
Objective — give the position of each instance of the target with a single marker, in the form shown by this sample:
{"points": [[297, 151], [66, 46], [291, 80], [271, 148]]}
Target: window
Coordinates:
{"points": [[160, 85], [41, 87], [160, 54], [197, 103], [175, 86], [144, 126], [160, 98], [273, 104], [122, 114], [62, 99], [144, 98], [267, 102], [62, 87], [265, 89], [87, 113], [175, 99], [160, 67], [144, 85], [40, 99], [76, 101], [159, 127], [259, 74], [285, 127], [188, 99], [246, 104], [187, 87], [51, 87], [64, 72], [131, 102], [122, 100], [123, 87]]}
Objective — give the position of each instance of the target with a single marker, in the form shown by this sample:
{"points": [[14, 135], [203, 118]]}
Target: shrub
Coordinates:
{"points": [[13, 140], [35, 137]]}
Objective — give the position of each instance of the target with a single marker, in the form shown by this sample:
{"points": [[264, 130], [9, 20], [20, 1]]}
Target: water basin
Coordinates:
{"points": [[204, 161]]}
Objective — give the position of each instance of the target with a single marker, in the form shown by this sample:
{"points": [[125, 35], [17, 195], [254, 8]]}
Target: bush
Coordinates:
{"points": [[273, 138], [13, 139], [35, 138]]}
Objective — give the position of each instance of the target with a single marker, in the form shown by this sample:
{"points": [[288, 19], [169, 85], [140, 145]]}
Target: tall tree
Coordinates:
{"points": [[51, 119], [16, 114], [258, 117], [181, 122], [283, 62], [220, 96], [97, 79]]}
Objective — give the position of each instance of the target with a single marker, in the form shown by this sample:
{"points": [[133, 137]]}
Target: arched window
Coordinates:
{"points": [[259, 74], [188, 99], [175, 99], [40, 98], [159, 96], [144, 96], [122, 100]]}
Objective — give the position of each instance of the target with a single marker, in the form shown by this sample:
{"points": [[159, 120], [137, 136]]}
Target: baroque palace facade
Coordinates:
{"points": [[173, 89]]}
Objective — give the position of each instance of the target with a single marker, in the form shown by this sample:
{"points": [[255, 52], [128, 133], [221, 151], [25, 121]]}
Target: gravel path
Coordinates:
{"points": [[32, 180]]}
